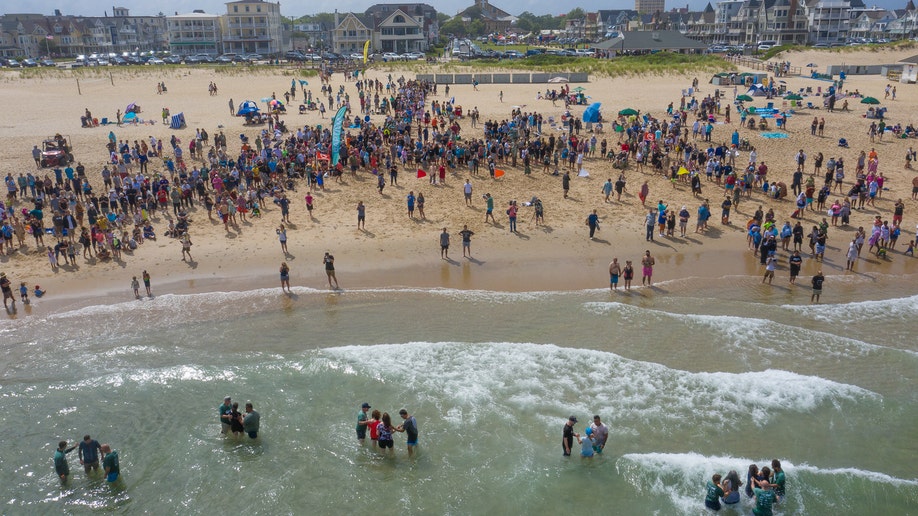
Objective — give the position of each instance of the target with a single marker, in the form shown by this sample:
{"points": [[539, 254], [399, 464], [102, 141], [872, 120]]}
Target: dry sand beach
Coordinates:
{"points": [[396, 251]]}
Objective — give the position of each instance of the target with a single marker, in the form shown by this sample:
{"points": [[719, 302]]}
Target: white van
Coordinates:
{"points": [[766, 45]]}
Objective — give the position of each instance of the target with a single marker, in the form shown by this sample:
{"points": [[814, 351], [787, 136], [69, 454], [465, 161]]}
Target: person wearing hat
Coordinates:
{"points": [[225, 414], [362, 422], [567, 436], [7, 289]]}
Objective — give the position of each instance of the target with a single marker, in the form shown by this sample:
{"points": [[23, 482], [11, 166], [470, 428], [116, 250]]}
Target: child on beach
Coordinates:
{"points": [[24, 293], [135, 286]]}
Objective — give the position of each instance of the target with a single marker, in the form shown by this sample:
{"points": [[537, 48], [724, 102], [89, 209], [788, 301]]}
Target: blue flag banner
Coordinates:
{"points": [[337, 129]]}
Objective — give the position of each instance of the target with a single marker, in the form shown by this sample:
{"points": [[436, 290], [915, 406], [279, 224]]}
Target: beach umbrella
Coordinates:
{"points": [[557, 80], [304, 83], [578, 89], [869, 100], [591, 113], [793, 96], [744, 98], [266, 99], [628, 112]]}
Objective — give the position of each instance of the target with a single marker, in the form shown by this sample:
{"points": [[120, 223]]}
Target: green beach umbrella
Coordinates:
{"points": [[869, 100], [744, 98], [578, 89], [793, 96], [628, 112]]}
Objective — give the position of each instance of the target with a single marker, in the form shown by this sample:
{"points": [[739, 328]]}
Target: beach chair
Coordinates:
{"points": [[770, 105], [104, 121]]}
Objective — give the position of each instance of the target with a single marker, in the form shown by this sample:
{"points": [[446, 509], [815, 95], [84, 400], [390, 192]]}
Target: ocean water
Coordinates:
{"points": [[695, 378]]}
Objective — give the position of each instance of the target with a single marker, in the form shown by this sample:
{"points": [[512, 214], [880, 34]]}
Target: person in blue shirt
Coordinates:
{"points": [[89, 453], [593, 222], [586, 443]]}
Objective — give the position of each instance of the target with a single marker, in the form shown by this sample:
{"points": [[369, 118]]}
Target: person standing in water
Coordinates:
{"points": [[568, 435], [410, 427], [61, 466], [817, 281], [362, 422], [146, 283], [224, 412], [110, 463], [285, 277], [329, 262], [714, 492], [615, 270], [89, 453], [647, 262]]}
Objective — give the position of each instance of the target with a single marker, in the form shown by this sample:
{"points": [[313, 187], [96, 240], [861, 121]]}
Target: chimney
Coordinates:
{"points": [[336, 18]]}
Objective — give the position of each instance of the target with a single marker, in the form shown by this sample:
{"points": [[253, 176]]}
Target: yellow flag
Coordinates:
{"points": [[682, 171], [366, 51]]}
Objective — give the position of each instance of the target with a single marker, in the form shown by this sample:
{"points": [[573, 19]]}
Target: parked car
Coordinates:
{"points": [[225, 59], [391, 56], [29, 63], [47, 62], [12, 63], [172, 60], [206, 58], [512, 54], [294, 55], [155, 61], [535, 52]]}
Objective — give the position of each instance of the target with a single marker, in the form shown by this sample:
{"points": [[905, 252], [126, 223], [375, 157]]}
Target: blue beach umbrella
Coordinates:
{"points": [[591, 113]]}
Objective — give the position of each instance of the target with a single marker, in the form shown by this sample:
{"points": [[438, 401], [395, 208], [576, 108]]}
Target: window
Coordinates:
{"points": [[235, 8], [246, 8], [398, 19]]}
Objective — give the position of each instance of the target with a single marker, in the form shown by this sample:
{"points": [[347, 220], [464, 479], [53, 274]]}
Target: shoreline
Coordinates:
{"points": [[677, 273]]}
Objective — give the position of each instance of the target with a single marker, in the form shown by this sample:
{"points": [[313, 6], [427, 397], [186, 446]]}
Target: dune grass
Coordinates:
{"points": [[651, 64]]}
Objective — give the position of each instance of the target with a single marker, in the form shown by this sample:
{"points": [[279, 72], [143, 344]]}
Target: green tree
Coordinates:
{"points": [[575, 14]]}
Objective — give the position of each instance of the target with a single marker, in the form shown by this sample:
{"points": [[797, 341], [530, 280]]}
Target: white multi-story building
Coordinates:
{"points": [[252, 26], [829, 20], [195, 33]]}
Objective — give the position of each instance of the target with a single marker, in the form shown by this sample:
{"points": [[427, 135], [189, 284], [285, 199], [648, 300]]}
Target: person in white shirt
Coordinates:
{"points": [[600, 434]]}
